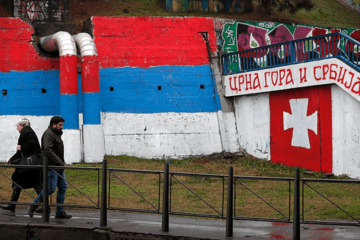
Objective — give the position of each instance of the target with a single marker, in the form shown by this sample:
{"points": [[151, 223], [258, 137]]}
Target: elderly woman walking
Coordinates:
{"points": [[28, 144]]}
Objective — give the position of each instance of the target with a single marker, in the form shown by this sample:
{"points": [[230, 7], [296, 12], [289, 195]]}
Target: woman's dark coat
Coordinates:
{"points": [[29, 145]]}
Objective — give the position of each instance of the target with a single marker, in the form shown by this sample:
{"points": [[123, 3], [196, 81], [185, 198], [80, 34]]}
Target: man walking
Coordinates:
{"points": [[53, 148]]}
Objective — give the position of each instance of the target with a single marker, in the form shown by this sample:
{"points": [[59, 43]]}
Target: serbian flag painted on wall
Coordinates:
{"points": [[301, 128]]}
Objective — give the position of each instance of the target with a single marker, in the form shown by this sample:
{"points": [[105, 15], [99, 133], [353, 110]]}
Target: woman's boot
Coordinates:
{"points": [[11, 207]]}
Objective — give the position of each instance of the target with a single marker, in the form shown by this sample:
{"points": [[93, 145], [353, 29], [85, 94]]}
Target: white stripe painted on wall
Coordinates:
{"points": [[231, 136], [94, 149], [158, 135], [253, 124], [345, 133]]}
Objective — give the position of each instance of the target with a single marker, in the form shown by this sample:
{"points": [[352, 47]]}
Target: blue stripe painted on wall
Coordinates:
{"points": [[69, 111], [30, 93], [123, 90], [80, 100], [92, 108], [157, 89]]}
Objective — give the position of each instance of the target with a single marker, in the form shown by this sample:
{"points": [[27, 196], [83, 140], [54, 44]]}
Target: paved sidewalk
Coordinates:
{"points": [[183, 226]]}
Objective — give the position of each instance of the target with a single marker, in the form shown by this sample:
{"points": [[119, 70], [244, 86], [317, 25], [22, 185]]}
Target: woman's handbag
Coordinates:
{"points": [[34, 159]]}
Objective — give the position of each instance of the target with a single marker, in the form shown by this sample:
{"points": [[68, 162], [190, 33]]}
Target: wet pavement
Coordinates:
{"points": [[184, 226]]}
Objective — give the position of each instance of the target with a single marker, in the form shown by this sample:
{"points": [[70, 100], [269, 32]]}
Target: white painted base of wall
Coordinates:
{"points": [[161, 135], [94, 143], [72, 145], [231, 135], [253, 124], [346, 133]]}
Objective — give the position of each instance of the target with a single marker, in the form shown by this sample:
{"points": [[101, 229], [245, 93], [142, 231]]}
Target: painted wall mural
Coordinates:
{"points": [[239, 36], [159, 99], [301, 129], [330, 71], [156, 89], [42, 10], [299, 117]]}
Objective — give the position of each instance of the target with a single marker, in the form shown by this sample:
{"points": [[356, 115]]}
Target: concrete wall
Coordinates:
{"points": [[265, 108], [161, 96], [157, 88]]}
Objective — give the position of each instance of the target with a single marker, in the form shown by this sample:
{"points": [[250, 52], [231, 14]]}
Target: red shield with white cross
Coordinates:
{"points": [[301, 128]]}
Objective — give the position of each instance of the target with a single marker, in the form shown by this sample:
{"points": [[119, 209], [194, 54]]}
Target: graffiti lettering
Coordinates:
{"points": [[333, 73], [295, 76], [356, 86], [316, 78], [248, 82], [303, 77], [277, 77], [256, 82], [266, 24], [289, 77], [39, 10], [231, 87], [341, 79], [219, 23], [352, 77], [230, 34], [251, 81]]}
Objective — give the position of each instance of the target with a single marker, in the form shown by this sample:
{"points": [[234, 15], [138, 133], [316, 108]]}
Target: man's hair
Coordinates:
{"points": [[55, 120]]}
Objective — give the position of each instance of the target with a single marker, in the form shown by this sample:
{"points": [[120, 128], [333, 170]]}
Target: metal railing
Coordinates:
{"points": [[173, 178], [334, 45], [306, 182], [112, 173], [286, 218], [168, 180]]}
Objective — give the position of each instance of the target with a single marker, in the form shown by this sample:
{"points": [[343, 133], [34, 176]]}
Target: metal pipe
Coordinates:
{"points": [[103, 212], [86, 44], [45, 200], [229, 207], [296, 223], [165, 212], [93, 134], [60, 41]]}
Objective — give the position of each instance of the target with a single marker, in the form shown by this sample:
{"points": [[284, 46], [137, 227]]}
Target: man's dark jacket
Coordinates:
{"points": [[53, 147]]}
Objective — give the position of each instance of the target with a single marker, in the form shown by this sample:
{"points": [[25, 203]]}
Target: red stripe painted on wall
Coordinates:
{"points": [[68, 75], [90, 75], [325, 116], [17, 51], [152, 41], [311, 120]]}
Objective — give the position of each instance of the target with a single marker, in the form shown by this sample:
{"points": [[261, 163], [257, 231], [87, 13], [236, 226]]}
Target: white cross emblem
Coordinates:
{"points": [[300, 122]]}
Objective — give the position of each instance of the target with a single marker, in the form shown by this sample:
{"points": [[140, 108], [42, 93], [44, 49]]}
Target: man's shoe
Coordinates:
{"points": [[31, 209], [40, 210], [62, 215]]}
